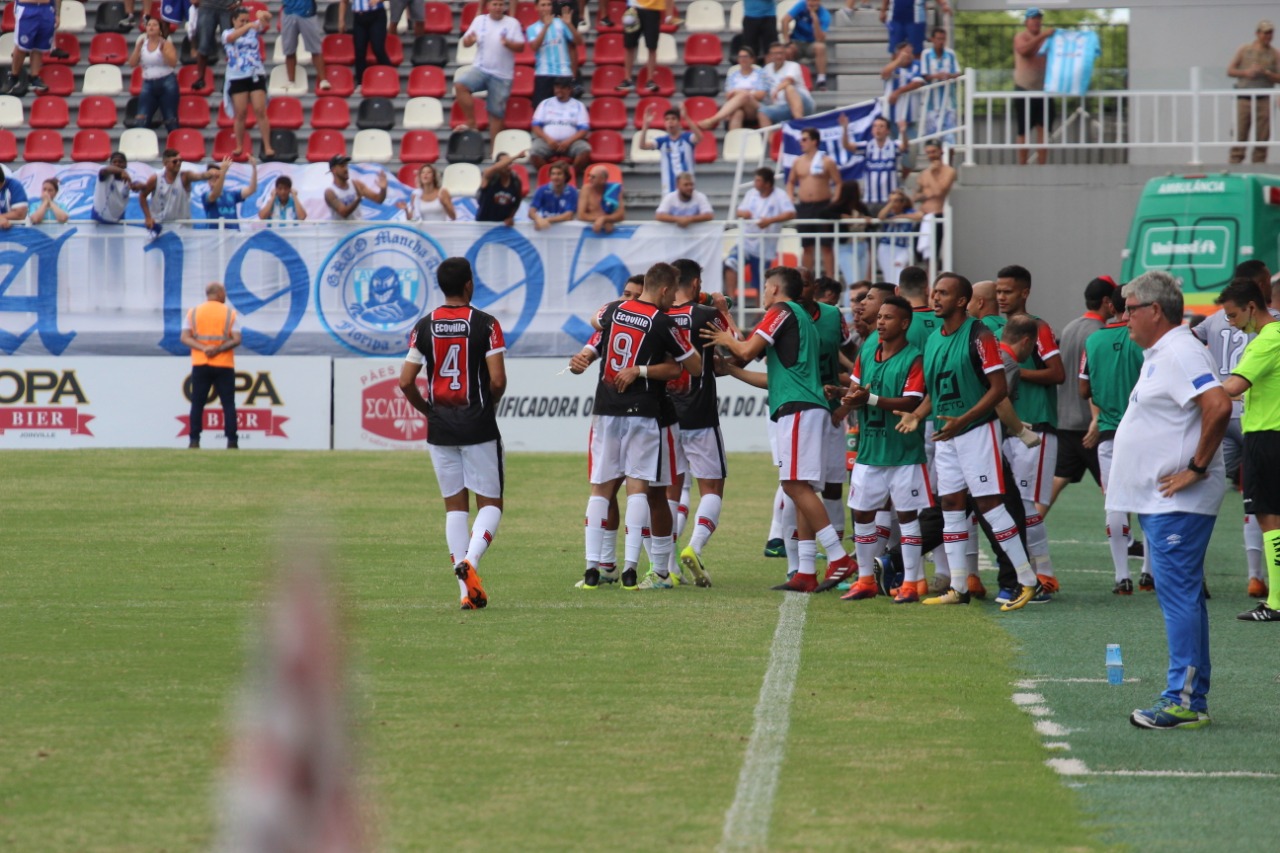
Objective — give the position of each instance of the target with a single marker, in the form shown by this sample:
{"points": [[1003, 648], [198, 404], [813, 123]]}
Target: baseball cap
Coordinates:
{"points": [[338, 160], [1100, 288], [1033, 12], [1266, 27]]}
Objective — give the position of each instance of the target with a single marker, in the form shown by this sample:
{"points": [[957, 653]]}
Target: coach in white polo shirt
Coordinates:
{"points": [[498, 38], [1167, 468], [686, 205], [560, 127], [763, 209]]}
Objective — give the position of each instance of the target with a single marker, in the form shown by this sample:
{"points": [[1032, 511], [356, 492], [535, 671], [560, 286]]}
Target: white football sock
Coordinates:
{"points": [[911, 568], [637, 522], [864, 543], [955, 538], [1117, 534], [597, 513], [708, 517], [1006, 536], [482, 533]]}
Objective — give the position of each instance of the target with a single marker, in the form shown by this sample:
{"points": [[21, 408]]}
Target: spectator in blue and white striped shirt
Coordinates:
{"points": [[940, 65], [881, 155], [901, 76], [553, 40], [676, 148]]}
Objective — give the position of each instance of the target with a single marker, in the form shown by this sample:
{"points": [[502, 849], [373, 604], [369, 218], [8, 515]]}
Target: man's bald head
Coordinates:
{"points": [[983, 303]]}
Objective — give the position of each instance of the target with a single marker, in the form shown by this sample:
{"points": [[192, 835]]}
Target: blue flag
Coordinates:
{"points": [[828, 124]]}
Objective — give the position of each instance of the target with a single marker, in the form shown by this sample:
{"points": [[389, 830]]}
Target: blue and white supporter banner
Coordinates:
{"points": [[315, 288], [828, 125]]}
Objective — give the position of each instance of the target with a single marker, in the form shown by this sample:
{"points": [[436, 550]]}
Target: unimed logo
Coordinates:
{"points": [[31, 401], [253, 390]]}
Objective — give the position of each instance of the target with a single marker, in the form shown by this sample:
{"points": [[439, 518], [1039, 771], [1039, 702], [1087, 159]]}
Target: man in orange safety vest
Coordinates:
{"points": [[210, 330]]}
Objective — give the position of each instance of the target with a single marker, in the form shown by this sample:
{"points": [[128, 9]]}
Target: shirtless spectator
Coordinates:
{"points": [[811, 184], [600, 201], [932, 187], [1028, 76]]}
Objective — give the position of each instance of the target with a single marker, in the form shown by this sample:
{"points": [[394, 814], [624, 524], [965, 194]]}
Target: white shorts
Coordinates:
{"points": [[971, 461], [834, 449], [702, 452], [800, 444], [475, 467], [630, 447], [906, 485], [1106, 449], [1033, 467]]}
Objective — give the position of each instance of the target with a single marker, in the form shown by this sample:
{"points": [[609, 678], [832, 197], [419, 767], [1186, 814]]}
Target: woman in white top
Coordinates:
{"points": [[744, 89], [246, 77], [49, 204], [158, 59], [429, 202]]}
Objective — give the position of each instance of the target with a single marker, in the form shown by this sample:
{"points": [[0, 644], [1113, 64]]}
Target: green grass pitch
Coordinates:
{"points": [[563, 720]]}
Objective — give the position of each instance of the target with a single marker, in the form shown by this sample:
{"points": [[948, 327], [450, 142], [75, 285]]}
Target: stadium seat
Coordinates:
{"points": [[701, 81], [330, 114], [102, 80], [97, 112], [186, 53], [11, 114], [662, 76], [439, 18], [226, 120], [522, 83], [426, 114], [253, 7], [70, 45], [285, 113], [193, 111], [303, 55], [609, 50], [6, 49], [430, 49], [278, 83], [426, 81], [339, 49], [607, 146], [285, 143], [704, 16], [380, 82], [466, 146], [331, 18], [187, 77], [108, 17], [8, 21], [462, 180], [108, 49], [526, 14], [605, 80], [608, 113], [706, 151], [395, 51], [469, 12], [654, 106], [460, 71], [139, 144], [420, 146], [702, 49], [642, 155], [342, 83], [189, 143], [150, 9], [91, 146], [617, 8], [225, 142], [522, 175], [465, 55], [408, 174], [372, 146], [71, 17], [775, 145], [324, 144], [482, 114], [667, 53], [519, 114], [59, 80], [513, 142], [135, 82], [376, 114], [735, 18], [9, 147], [743, 142], [699, 108], [49, 111]]}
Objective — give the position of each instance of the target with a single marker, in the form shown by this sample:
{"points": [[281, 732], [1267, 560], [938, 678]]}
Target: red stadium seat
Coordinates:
{"points": [[544, 174], [284, 113], [699, 108], [91, 146], [482, 114], [775, 145], [419, 146], [608, 113], [522, 83], [60, 80], [225, 121], [108, 49], [605, 80], [8, 145], [188, 75], [70, 43], [189, 142], [342, 83], [607, 146], [655, 106], [706, 150], [9, 22], [339, 49], [97, 112], [150, 10], [703, 49], [469, 11], [48, 111], [225, 142], [395, 51], [254, 7], [521, 172], [324, 144], [43, 146], [135, 82], [426, 81], [330, 114], [526, 14], [380, 82], [526, 56], [193, 111], [808, 77], [609, 50], [662, 76], [408, 174], [439, 18], [617, 8], [519, 114]]}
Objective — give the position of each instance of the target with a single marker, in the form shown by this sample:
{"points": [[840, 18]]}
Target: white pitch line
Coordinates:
{"points": [[746, 824], [1031, 683], [1076, 767], [1028, 699]]}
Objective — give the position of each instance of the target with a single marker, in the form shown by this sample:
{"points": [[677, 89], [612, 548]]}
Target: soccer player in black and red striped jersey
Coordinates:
{"points": [[460, 350]]}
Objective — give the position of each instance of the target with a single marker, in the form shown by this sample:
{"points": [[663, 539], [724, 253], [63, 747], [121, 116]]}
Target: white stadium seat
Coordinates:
{"points": [[278, 83], [11, 114], [640, 155], [139, 144], [704, 16], [102, 79], [423, 114], [512, 142], [372, 146], [462, 180], [71, 18]]}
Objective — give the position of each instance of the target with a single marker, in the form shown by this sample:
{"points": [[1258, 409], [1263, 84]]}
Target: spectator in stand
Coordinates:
{"points": [[1256, 69], [111, 193], [48, 203], [686, 205], [554, 42], [853, 257], [881, 159], [788, 97], [171, 190], [246, 77], [600, 202], [560, 128], [763, 210], [158, 58], [901, 76], [299, 19], [643, 19], [417, 16], [283, 204], [13, 202], [1028, 76], [36, 24], [759, 25], [498, 38], [810, 184], [500, 191], [368, 31], [933, 185], [808, 38], [676, 149], [173, 14], [214, 18], [346, 193], [939, 64], [222, 203], [429, 202], [555, 201], [907, 22], [745, 88], [894, 253]]}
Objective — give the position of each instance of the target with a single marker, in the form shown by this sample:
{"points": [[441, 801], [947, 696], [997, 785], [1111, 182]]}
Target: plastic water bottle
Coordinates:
{"points": [[1115, 664]]}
